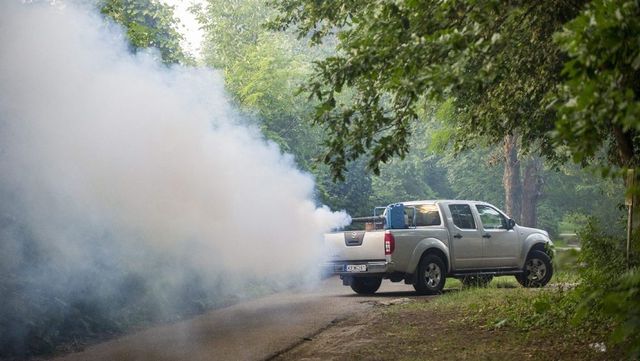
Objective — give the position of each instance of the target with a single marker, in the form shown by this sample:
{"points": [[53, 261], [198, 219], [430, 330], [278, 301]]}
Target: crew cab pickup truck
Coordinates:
{"points": [[469, 240]]}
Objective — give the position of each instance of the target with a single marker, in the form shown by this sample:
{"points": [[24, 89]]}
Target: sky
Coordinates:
{"points": [[190, 28]]}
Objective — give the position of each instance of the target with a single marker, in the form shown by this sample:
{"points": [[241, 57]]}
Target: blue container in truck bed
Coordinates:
{"points": [[395, 216]]}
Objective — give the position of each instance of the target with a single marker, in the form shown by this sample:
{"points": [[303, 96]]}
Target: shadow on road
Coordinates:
{"points": [[397, 294]]}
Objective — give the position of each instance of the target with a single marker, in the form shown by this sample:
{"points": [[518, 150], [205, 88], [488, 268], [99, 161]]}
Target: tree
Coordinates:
{"points": [[599, 123], [496, 61], [599, 101], [263, 70], [420, 175], [148, 23]]}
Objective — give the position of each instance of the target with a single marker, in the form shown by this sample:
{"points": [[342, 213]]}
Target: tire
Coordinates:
{"points": [[431, 275], [537, 270], [476, 280], [365, 285]]}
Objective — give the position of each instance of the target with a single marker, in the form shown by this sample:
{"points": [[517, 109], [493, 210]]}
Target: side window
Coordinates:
{"points": [[491, 219], [462, 216], [427, 215]]}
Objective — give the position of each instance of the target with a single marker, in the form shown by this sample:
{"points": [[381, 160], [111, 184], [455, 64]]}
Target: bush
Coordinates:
{"points": [[610, 292], [622, 304], [603, 257], [606, 303]]}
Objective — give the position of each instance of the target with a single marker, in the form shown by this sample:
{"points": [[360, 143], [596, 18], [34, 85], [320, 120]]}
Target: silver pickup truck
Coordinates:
{"points": [[469, 240]]}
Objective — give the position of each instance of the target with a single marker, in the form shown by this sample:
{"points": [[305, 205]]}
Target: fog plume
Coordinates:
{"points": [[124, 181]]}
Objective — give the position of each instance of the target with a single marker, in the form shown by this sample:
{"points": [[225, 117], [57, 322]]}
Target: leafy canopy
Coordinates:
{"points": [[148, 23], [495, 59], [262, 70], [599, 103]]}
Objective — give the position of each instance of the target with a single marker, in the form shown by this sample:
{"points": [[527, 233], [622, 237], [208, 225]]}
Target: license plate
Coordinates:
{"points": [[356, 268]]}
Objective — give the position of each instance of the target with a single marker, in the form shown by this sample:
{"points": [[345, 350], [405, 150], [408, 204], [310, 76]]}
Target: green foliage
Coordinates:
{"points": [[622, 304], [472, 175], [505, 304], [353, 194], [574, 192], [262, 71], [599, 102], [419, 176], [149, 24], [550, 310], [495, 60], [604, 256], [230, 28], [609, 294], [403, 181]]}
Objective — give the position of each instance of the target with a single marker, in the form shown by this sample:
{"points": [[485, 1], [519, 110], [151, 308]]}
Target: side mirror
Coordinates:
{"points": [[511, 223]]}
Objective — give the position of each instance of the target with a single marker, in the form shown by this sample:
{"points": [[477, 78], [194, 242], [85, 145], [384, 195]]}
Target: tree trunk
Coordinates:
{"points": [[531, 191], [511, 178], [624, 140]]}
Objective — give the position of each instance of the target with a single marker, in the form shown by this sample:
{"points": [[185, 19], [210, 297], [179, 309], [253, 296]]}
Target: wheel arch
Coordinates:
{"points": [[535, 242], [539, 246], [428, 246]]}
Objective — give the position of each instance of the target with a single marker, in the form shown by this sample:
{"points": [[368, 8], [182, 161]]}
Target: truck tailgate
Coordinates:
{"points": [[355, 245]]}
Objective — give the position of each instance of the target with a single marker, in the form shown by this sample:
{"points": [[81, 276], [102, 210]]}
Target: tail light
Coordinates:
{"points": [[389, 243]]}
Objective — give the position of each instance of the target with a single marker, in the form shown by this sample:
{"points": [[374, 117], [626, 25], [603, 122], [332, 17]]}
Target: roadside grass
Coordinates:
{"points": [[501, 321], [589, 311]]}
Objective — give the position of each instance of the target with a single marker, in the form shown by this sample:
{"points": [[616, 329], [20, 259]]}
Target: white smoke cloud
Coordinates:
{"points": [[112, 160]]}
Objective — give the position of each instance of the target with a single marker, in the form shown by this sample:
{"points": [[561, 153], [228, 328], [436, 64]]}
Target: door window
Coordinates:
{"points": [[462, 216], [491, 218]]}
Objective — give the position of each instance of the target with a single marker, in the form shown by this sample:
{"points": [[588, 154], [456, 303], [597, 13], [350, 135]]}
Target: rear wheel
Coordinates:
{"points": [[476, 280], [537, 270], [431, 275], [366, 285]]}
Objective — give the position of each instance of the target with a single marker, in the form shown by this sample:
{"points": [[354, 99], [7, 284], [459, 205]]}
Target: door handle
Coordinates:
{"points": [[486, 235], [457, 235]]}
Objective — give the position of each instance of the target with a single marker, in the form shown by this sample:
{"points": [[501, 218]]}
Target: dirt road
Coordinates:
{"points": [[252, 330]]}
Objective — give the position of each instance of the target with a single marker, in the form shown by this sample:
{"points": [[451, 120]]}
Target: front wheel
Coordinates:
{"points": [[537, 270], [366, 285], [431, 275]]}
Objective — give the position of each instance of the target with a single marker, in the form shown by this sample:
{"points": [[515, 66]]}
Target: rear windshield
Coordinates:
{"points": [[427, 215]]}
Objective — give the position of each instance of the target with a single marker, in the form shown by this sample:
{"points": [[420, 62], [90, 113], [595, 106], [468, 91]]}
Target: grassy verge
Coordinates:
{"points": [[501, 322], [588, 312]]}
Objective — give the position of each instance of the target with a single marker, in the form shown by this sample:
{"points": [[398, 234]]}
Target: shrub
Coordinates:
{"points": [[610, 292]]}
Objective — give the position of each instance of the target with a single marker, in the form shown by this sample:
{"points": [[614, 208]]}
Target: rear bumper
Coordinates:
{"points": [[373, 267]]}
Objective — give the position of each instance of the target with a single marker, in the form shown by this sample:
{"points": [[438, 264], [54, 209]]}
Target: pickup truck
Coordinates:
{"points": [[469, 240]]}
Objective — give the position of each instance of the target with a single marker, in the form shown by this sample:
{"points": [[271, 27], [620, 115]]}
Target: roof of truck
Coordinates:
{"points": [[433, 201]]}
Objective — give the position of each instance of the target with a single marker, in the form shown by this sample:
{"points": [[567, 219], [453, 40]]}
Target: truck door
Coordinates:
{"points": [[501, 246], [466, 241]]}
